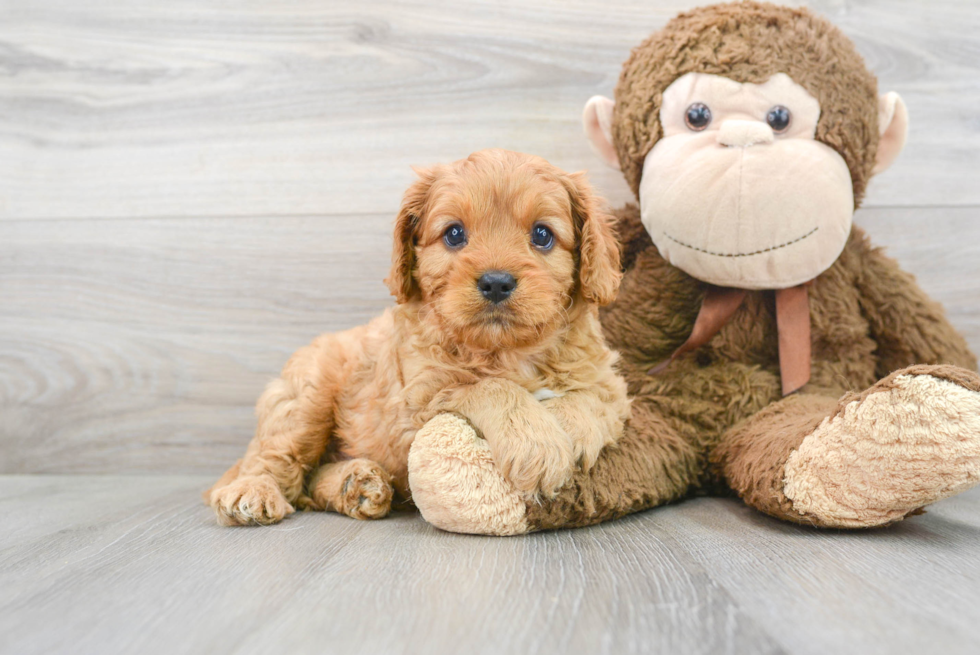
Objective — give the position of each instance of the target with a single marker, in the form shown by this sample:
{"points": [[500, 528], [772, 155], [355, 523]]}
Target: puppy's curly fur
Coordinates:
{"points": [[530, 371]]}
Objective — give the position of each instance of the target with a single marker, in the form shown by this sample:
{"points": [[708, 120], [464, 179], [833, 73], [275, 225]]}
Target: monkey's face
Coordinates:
{"points": [[737, 192], [749, 132]]}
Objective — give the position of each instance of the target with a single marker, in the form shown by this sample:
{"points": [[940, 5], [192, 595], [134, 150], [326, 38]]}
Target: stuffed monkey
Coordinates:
{"points": [[770, 349]]}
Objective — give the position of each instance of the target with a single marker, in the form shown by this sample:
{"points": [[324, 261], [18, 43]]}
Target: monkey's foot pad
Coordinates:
{"points": [[910, 440]]}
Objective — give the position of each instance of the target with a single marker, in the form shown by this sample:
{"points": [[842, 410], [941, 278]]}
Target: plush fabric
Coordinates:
{"points": [[736, 204], [908, 441], [751, 42], [890, 418], [716, 422]]}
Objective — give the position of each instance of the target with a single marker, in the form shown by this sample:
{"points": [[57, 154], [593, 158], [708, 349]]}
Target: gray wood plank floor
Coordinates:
{"points": [[114, 564]]}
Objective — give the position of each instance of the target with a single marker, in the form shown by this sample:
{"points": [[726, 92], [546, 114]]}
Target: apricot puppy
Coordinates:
{"points": [[500, 262]]}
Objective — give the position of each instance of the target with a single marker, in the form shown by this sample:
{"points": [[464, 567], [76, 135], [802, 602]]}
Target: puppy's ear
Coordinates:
{"points": [[598, 269], [400, 280]]}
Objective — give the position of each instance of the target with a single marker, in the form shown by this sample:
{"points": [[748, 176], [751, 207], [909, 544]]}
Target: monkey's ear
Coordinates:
{"points": [[400, 280], [893, 126], [597, 121], [598, 268]]}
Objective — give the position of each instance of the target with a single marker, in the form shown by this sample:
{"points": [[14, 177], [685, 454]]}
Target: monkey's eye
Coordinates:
{"points": [[778, 118], [542, 237], [697, 116], [454, 236]]}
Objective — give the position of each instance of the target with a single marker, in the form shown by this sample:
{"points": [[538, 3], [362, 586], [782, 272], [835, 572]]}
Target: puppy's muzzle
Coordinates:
{"points": [[496, 286]]}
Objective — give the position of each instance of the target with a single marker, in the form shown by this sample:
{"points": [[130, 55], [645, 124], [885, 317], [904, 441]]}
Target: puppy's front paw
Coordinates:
{"points": [[587, 446], [250, 500], [535, 454]]}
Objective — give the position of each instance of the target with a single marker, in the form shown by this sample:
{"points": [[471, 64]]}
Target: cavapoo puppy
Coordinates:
{"points": [[499, 265]]}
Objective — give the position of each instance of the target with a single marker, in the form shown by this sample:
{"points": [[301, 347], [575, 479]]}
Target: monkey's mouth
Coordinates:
{"points": [[742, 254]]}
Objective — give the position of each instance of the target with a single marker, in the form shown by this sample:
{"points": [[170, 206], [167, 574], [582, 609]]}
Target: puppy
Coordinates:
{"points": [[500, 262]]}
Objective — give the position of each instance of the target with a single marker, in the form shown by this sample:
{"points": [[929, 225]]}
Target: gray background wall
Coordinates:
{"points": [[191, 190]]}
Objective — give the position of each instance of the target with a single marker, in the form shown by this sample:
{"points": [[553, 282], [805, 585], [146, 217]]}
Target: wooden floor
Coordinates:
{"points": [[112, 564], [190, 190]]}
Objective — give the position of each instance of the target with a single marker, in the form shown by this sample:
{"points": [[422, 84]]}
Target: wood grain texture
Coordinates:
{"points": [[190, 108], [143, 568], [142, 345], [869, 592], [134, 345], [191, 190]]}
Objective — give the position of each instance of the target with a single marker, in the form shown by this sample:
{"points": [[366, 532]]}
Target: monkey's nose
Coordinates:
{"points": [[496, 286], [742, 134]]}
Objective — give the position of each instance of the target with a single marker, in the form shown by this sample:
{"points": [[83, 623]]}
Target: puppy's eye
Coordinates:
{"points": [[778, 118], [454, 236], [542, 237], [697, 116]]}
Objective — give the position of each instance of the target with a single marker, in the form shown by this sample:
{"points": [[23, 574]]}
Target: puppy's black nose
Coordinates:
{"points": [[496, 286]]}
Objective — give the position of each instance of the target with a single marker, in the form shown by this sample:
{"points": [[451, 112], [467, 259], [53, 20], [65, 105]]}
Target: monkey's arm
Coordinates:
{"points": [[458, 487], [530, 447], [908, 326]]}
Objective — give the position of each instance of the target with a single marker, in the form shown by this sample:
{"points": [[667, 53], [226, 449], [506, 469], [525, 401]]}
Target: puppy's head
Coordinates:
{"points": [[500, 245]]}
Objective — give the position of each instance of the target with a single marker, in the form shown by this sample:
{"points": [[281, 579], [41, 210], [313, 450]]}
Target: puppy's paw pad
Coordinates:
{"points": [[250, 500], [366, 492]]}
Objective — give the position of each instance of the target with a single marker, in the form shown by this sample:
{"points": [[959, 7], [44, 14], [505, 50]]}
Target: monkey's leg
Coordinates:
{"points": [[650, 465], [457, 487], [868, 459]]}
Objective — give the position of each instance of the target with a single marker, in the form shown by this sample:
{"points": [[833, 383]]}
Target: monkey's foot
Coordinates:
{"points": [[910, 440], [456, 485]]}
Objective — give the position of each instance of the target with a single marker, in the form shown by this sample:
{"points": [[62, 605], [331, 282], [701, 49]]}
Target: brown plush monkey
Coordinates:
{"points": [[770, 349]]}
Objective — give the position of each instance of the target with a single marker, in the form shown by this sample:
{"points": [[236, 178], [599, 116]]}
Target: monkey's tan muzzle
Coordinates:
{"points": [[742, 134]]}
